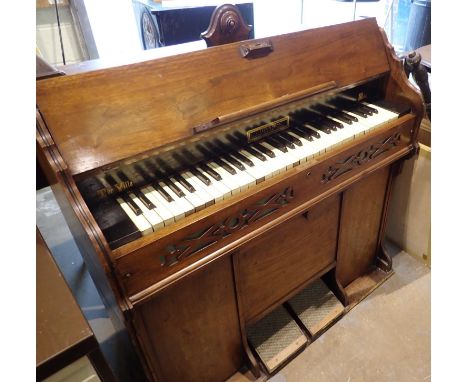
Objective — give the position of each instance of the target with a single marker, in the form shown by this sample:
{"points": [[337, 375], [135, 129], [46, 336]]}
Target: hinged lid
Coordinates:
{"points": [[104, 116]]}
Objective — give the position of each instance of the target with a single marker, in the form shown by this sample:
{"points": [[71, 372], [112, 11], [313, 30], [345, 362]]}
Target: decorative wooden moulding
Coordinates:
{"points": [[226, 26], [213, 234], [361, 157]]}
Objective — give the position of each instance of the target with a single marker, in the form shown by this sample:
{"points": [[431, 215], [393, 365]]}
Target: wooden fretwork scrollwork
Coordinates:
{"points": [[361, 157], [213, 234], [227, 25]]}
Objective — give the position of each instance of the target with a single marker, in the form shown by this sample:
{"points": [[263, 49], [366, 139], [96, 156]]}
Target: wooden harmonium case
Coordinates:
{"points": [[218, 158]]}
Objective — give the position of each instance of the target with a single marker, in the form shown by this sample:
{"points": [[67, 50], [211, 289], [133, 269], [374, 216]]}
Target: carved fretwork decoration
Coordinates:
{"points": [[361, 157], [213, 234], [226, 26]]}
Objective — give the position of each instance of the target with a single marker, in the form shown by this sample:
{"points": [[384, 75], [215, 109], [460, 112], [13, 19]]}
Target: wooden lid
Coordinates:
{"points": [[104, 116]]}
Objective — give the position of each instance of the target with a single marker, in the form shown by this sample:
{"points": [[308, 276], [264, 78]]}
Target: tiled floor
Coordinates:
{"points": [[386, 338]]}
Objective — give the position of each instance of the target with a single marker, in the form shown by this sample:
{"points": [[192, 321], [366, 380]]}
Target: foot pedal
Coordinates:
{"points": [[316, 307], [276, 338]]}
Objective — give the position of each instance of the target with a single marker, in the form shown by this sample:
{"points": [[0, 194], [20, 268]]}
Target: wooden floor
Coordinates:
{"points": [[386, 338]]}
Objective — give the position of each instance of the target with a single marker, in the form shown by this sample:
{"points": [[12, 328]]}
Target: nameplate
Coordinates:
{"points": [[115, 189], [267, 129]]}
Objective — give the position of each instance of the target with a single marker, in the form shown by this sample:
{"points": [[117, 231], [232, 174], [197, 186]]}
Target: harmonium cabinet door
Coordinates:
{"points": [[190, 331], [273, 267]]}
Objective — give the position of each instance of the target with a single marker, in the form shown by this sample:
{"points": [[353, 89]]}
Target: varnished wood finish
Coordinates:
{"points": [[192, 329], [187, 316], [91, 115], [226, 25], [271, 267], [361, 214]]}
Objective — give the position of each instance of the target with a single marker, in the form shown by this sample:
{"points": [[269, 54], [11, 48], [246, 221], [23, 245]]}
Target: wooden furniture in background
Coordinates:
{"points": [[188, 292], [66, 347]]}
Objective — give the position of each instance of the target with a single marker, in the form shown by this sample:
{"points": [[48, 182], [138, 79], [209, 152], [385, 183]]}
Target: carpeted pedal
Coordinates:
{"points": [[316, 306], [276, 338]]}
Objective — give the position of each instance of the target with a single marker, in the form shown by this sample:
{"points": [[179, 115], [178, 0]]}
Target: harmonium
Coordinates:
{"points": [[230, 203]]}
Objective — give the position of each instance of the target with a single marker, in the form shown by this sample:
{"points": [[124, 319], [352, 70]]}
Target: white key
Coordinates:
{"points": [[216, 192], [301, 151], [324, 142], [279, 163], [139, 220], [260, 171], [307, 149], [243, 177], [192, 198], [254, 171], [152, 216], [161, 208], [381, 117], [265, 167], [346, 133], [205, 197], [227, 179], [178, 205], [289, 158]]}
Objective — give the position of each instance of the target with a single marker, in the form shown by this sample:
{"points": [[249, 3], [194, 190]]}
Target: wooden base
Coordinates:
{"points": [[360, 288]]}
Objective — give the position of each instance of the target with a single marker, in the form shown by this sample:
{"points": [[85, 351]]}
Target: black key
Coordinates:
{"points": [[210, 171], [357, 105], [230, 151], [339, 103], [235, 141], [125, 195], [176, 190], [284, 141], [276, 144], [340, 113], [330, 122], [184, 183], [335, 113], [223, 155], [208, 154], [233, 161], [225, 165], [320, 120], [153, 183], [138, 193], [371, 109], [291, 138], [175, 175], [263, 149], [302, 133], [315, 124], [200, 176], [163, 192], [242, 158], [255, 153]]}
